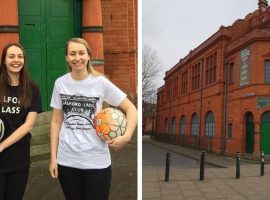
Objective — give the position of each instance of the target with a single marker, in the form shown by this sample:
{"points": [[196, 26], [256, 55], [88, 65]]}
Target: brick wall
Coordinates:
{"points": [[120, 43], [251, 33], [8, 18]]}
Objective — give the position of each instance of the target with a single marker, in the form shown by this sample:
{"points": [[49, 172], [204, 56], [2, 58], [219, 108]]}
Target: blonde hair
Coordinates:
{"points": [[90, 68]]}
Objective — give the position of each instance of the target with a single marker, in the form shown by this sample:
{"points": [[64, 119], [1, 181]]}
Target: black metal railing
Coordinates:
{"points": [[196, 142]]}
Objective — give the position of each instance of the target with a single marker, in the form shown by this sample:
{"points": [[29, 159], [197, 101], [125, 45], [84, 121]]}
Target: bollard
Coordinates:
{"points": [[238, 165], [202, 165], [167, 170], [262, 163]]}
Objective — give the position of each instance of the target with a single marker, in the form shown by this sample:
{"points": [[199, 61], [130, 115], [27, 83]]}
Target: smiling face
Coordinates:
{"points": [[14, 60], [77, 57]]}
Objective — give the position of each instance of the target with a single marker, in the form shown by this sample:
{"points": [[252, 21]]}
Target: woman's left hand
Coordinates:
{"points": [[118, 142]]}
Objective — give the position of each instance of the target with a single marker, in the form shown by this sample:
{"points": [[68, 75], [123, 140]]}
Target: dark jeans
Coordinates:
{"points": [[13, 184], [85, 184]]}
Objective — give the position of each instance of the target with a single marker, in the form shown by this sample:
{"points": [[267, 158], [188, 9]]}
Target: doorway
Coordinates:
{"points": [[250, 133], [45, 27], [265, 132]]}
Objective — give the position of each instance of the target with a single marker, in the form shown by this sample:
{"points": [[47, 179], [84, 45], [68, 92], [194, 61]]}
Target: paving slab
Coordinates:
{"points": [[41, 186], [219, 181]]}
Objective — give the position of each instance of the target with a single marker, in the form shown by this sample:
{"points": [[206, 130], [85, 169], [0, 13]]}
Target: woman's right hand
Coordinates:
{"points": [[53, 168]]}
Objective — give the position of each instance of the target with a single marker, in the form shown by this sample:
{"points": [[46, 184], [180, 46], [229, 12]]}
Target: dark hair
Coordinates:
{"points": [[25, 83]]}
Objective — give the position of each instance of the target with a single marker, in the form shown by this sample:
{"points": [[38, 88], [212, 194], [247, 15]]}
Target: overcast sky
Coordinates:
{"points": [[174, 27]]}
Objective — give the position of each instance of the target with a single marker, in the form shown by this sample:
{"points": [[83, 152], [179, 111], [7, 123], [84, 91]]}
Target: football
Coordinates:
{"points": [[110, 123]]}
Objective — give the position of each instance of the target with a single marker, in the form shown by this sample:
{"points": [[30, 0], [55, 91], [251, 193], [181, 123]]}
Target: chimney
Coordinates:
{"points": [[263, 4]]}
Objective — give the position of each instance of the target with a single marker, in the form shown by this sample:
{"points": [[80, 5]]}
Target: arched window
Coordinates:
{"points": [[173, 125], [250, 117], [194, 125], [265, 117], [166, 127], [209, 124], [183, 125]]}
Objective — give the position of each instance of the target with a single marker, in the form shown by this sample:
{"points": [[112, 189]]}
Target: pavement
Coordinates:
{"points": [[41, 186], [219, 179]]}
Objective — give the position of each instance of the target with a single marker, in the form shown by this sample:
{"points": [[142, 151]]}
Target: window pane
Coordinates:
{"points": [[194, 125], [166, 126], [230, 131], [173, 125], [267, 71], [209, 126], [183, 126]]}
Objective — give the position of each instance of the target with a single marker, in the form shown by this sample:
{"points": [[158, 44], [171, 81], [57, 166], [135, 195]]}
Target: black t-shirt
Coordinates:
{"points": [[12, 116]]}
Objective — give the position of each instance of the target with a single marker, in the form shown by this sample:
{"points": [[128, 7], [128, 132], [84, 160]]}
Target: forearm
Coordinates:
{"points": [[132, 118], [56, 122], [131, 114], [18, 134], [54, 138]]}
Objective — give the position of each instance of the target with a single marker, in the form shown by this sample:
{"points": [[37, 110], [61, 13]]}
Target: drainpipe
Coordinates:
{"points": [[201, 97], [225, 107]]}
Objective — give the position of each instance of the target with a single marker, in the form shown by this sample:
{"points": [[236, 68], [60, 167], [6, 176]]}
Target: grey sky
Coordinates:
{"points": [[174, 27]]}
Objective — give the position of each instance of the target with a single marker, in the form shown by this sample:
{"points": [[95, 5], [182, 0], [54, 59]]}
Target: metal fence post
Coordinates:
{"points": [[262, 163], [238, 165], [167, 170], [202, 165]]}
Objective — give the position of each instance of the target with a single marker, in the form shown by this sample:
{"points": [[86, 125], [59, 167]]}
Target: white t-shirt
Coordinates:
{"points": [[79, 145]]}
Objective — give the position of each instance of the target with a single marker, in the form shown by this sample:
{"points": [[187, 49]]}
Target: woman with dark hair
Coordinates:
{"points": [[19, 104], [79, 158]]}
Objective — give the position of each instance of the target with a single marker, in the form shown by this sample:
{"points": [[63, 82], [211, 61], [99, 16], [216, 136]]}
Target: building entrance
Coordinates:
{"points": [[45, 27], [265, 133], [249, 133]]}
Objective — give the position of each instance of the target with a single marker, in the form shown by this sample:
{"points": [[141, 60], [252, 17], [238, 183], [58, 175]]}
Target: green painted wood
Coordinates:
{"points": [[78, 18], [45, 27], [265, 137], [32, 34], [265, 133], [60, 28]]}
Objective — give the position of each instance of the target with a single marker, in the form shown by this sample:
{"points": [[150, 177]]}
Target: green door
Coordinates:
{"points": [[265, 133], [32, 34], [249, 133], [45, 27]]}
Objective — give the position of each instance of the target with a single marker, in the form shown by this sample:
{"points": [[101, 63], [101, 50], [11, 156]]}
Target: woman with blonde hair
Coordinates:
{"points": [[79, 158]]}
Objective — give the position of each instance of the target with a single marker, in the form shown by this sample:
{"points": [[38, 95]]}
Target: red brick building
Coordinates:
{"points": [[217, 98], [44, 26], [119, 19], [148, 118]]}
